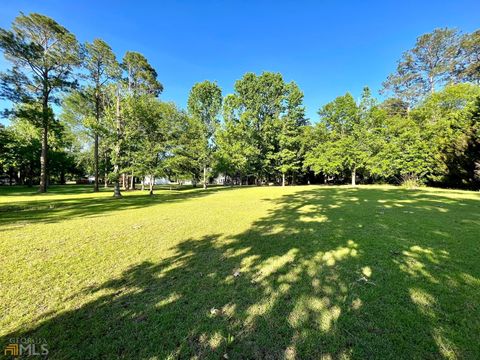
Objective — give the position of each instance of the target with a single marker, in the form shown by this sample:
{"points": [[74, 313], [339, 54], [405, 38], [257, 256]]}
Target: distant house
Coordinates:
{"points": [[220, 179], [87, 179], [156, 181]]}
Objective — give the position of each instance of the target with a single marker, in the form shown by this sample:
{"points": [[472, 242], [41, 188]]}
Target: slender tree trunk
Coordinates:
{"points": [[43, 155], [152, 181], [116, 166], [43, 160], [283, 179], [95, 150], [95, 160], [354, 173], [143, 183], [132, 182], [116, 183], [105, 171], [432, 84], [30, 175], [204, 177]]}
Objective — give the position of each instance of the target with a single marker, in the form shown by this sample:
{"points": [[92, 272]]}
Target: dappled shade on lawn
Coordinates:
{"points": [[336, 272]]}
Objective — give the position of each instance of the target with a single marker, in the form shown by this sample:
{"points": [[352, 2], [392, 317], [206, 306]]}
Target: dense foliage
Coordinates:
{"points": [[77, 111]]}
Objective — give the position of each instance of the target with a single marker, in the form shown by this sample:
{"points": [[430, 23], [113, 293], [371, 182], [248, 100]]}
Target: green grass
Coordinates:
{"points": [[254, 272]]}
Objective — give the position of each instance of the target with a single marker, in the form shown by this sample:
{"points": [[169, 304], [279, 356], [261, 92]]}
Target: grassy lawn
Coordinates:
{"points": [[254, 272]]}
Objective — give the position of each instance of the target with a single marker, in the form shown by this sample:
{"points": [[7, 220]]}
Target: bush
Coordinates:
{"points": [[410, 181]]}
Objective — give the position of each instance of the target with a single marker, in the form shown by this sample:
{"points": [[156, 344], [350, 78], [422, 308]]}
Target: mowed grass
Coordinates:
{"points": [[254, 273]]}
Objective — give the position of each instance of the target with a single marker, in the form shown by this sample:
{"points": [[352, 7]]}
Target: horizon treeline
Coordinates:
{"points": [[78, 110]]}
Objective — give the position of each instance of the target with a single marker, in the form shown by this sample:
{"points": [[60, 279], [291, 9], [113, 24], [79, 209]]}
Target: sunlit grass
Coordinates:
{"points": [[253, 272]]}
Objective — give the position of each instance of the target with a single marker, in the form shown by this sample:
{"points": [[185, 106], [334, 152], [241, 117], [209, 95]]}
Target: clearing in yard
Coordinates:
{"points": [[253, 272]]}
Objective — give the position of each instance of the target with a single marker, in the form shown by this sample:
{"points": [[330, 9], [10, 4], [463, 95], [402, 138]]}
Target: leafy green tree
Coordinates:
{"points": [[436, 143], [236, 143], [141, 76], [430, 63], [182, 161], [291, 130], [405, 154], [43, 55], [63, 154], [154, 121], [473, 148], [347, 136], [258, 107], [204, 105], [141, 80], [24, 145], [8, 151], [25, 148], [101, 68], [338, 120], [259, 103], [469, 67], [395, 107], [122, 129], [446, 123], [116, 131]]}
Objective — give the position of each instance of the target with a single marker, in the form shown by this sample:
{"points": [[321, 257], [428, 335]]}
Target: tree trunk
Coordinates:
{"points": [[132, 182], [95, 149], [204, 177], [116, 184], [43, 155], [95, 161], [30, 174], [105, 170], [283, 179], [353, 176], [143, 183], [152, 181], [21, 177], [116, 166], [43, 160]]}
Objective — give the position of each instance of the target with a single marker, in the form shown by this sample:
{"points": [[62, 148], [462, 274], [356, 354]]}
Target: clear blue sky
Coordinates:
{"points": [[327, 47]]}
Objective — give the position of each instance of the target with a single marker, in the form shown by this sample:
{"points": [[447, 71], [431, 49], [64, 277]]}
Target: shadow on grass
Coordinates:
{"points": [[339, 273], [52, 210]]}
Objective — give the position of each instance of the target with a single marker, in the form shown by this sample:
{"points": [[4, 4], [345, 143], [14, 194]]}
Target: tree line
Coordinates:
{"points": [[78, 110]]}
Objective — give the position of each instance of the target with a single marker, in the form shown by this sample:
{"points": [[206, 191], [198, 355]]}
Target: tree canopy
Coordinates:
{"points": [[76, 112]]}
